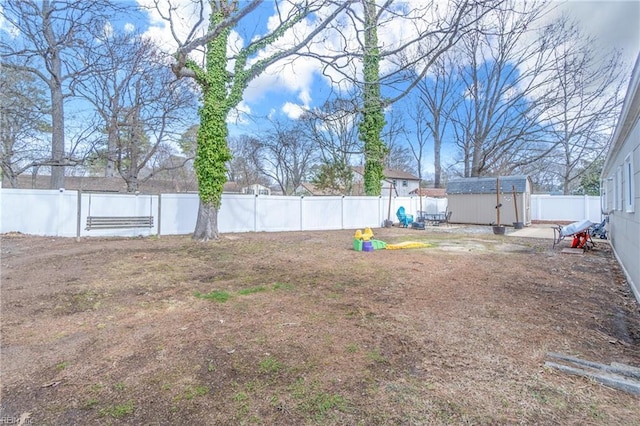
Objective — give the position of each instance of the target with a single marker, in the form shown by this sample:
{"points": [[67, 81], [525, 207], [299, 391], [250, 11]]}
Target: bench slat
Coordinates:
{"points": [[118, 222]]}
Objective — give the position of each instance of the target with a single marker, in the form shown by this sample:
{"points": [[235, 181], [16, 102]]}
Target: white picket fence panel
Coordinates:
{"points": [[56, 213]]}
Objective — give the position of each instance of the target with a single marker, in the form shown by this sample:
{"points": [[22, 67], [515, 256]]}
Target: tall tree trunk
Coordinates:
{"points": [[437, 165], [57, 119], [112, 148], [212, 150], [476, 157], [437, 148], [9, 180], [132, 184], [57, 99], [372, 114], [207, 222]]}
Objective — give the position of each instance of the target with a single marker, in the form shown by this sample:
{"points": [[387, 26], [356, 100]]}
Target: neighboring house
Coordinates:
{"points": [[621, 185], [308, 189], [474, 200], [256, 189], [396, 182]]}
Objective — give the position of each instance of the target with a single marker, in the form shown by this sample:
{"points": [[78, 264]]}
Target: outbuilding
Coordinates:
{"points": [[474, 200]]}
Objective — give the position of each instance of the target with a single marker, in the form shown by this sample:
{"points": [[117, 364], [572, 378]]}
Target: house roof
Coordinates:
{"points": [[232, 187], [430, 192], [313, 190], [101, 183], [487, 185], [389, 173]]}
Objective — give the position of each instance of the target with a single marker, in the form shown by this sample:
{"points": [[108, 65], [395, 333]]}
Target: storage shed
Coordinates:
{"points": [[473, 200]]}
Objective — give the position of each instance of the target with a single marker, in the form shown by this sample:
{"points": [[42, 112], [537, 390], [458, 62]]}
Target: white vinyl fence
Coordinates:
{"points": [[569, 208], [64, 213]]}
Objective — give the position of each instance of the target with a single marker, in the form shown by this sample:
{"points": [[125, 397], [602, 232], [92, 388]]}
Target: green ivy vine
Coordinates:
{"points": [[373, 121]]}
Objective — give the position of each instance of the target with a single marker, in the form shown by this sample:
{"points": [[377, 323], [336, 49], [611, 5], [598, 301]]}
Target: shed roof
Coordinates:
{"points": [[487, 185]]}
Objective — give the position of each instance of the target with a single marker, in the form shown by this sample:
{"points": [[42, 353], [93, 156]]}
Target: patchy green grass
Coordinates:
{"points": [[118, 411], [216, 295], [283, 286], [193, 391], [352, 348], [270, 365], [314, 401], [376, 356], [90, 403], [252, 290]]}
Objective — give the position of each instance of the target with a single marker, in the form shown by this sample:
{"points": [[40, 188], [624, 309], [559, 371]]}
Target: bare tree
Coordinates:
{"points": [[588, 90], [438, 99], [244, 167], [23, 111], [399, 157], [44, 40], [507, 96], [141, 103], [333, 128], [286, 156]]}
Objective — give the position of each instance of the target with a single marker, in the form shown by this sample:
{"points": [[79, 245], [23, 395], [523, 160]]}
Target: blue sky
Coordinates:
{"points": [[616, 24]]}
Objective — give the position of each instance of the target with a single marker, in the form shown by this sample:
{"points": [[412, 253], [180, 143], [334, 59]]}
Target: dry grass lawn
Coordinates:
{"points": [[298, 328]]}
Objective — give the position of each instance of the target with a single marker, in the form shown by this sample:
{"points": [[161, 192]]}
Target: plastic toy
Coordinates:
{"points": [[404, 218], [364, 241]]}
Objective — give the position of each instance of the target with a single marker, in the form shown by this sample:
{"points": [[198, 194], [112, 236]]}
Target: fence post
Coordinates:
{"points": [[301, 218], [59, 222], [255, 213], [78, 214], [159, 215]]}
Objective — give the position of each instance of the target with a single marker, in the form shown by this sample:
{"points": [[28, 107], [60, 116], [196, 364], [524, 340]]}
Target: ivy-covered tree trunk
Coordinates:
{"points": [[372, 115], [222, 90], [212, 151]]}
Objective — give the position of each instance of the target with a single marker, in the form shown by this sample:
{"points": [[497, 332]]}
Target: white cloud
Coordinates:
{"points": [[107, 30], [7, 26], [184, 16], [293, 111], [613, 23], [129, 27]]}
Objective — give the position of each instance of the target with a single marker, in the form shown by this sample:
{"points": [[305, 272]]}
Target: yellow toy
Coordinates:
{"points": [[406, 245], [364, 236], [363, 241]]}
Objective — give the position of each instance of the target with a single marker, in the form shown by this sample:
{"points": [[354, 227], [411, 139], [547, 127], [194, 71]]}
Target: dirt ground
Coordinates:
{"points": [[298, 328]]}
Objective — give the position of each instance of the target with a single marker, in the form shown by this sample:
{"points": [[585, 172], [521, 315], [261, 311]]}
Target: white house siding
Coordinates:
{"points": [[401, 189], [621, 195]]}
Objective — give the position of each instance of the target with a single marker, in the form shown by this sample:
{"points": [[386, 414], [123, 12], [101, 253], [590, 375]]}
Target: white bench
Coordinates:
{"points": [[118, 222]]}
